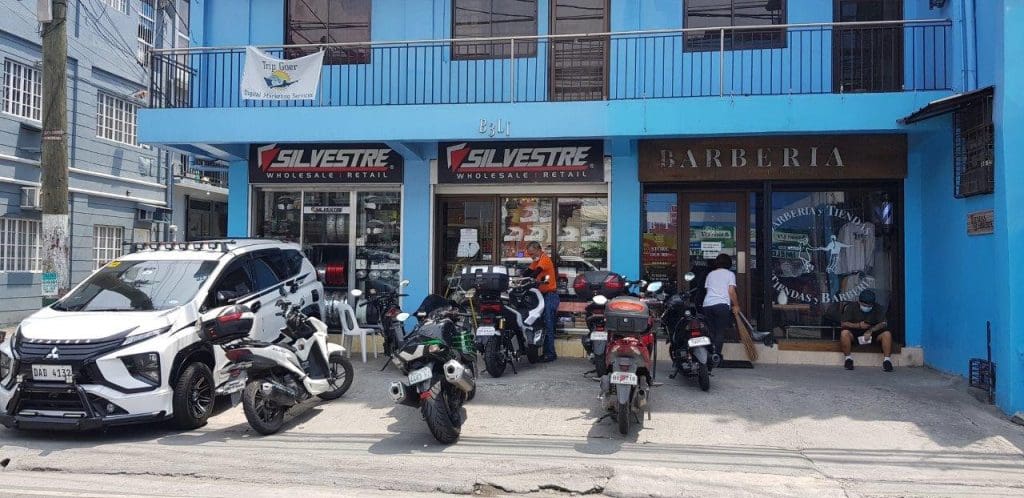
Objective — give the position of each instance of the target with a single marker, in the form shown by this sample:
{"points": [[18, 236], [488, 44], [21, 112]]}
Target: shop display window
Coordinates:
{"points": [[378, 238], [278, 215], [326, 235], [467, 236], [660, 252], [524, 220], [826, 248]]}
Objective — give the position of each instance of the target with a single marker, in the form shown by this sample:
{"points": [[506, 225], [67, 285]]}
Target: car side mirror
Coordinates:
{"points": [[224, 297]]}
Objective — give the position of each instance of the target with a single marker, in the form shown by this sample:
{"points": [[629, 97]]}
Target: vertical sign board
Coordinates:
{"points": [[49, 284], [981, 222]]}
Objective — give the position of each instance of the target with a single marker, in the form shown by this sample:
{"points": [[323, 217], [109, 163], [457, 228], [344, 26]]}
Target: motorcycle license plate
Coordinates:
{"points": [[54, 373], [599, 336], [628, 378], [420, 375], [486, 331], [698, 342]]}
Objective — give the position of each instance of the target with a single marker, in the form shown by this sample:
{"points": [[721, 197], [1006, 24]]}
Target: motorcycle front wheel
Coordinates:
{"points": [[265, 416], [622, 416], [494, 357], [340, 369], [441, 411]]}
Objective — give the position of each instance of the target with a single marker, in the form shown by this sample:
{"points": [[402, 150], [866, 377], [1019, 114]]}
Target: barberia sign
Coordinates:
{"points": [[824, 157], [521, 162], [324, 163]]}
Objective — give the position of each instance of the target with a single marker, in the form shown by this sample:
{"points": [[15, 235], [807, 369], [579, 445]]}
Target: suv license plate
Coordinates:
{"points": [[628, 378], [54, 373], [599, 336], [485, 331], [420, 375], [699, 341]]}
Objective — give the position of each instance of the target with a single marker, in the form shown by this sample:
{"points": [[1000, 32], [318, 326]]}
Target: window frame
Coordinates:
{"points": [[146, 21], [121, 119], [118, 5], [971, 124], [335, 57], [34, 83], [730, 44], [105, 253], [526, 50], [15, 235]]}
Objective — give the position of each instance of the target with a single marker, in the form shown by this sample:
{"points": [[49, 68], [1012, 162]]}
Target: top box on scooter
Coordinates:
{"points": [[627, 315], [591, 283], [484, 278]]}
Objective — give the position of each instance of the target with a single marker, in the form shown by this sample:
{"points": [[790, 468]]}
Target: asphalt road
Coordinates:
{"points": [[770, 431]]}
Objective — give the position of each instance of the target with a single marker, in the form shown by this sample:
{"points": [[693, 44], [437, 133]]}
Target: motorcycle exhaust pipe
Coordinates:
{"points": [[278, 393], [459, 375], [404, 395]]}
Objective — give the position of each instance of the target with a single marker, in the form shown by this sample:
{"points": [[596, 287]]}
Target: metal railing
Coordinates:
{"points": [[860, 57], [212, 178]]}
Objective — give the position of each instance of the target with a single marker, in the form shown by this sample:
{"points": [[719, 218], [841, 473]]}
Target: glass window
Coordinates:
{"points": [[467, 235], [827, 247], [660, 238], [108, 244], [326, 235], [493, 18], [329, 21], [524, 220], [141, 286], [726, 13], [278, 215], [19, 245], [235, 280], [582, 238], [23, 90], [262, 274], [115, 119], [378, 238]]}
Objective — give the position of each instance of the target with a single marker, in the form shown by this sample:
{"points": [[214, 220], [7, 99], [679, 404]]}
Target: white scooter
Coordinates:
{"points": [[300, 365]]}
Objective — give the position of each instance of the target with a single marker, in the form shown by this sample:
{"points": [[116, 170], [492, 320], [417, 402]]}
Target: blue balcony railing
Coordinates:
{"points": [[889, 56]]}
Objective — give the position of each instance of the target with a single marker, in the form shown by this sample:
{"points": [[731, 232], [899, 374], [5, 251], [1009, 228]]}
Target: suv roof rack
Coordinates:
{"points": [[209, 245]]}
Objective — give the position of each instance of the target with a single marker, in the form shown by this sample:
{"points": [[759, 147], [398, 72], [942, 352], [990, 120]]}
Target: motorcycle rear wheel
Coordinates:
{"points": [[265, 416], [494, 357], [622, 416], [441, 413], [703, 377], [600, 367], [340, 369]]}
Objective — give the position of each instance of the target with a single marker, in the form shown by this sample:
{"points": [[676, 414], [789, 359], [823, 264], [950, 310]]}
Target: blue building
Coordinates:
{"points": [[828, 146], [119, 188]]}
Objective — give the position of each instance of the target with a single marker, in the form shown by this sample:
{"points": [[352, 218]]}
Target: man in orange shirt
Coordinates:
{"points": [[543, 269]]}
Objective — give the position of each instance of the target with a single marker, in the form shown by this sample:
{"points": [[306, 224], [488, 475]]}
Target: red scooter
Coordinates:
{"points": [[625, 388]]}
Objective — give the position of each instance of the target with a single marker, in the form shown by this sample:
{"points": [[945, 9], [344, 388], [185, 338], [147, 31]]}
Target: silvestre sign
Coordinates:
{"points": [[810, 157], [577, 161], [324, 163]]}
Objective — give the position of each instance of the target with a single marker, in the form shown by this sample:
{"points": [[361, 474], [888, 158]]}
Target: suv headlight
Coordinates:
{"points": [[132, 339], [144, 367]]}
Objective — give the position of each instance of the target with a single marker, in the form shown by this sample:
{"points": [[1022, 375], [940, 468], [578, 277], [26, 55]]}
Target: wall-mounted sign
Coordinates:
{"points": [[575, 161], [811, 157], [268, 78], [981, 222], [324, 163]]}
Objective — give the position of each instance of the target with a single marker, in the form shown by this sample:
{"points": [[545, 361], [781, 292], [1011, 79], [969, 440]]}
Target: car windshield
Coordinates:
{"points": [[139, 286]]}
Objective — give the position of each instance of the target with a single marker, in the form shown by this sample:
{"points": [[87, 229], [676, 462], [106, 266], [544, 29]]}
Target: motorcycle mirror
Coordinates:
{"points": [[403, 316], [654, 287], [355, 293], [403, 283], [689, 276], [600, 300]]}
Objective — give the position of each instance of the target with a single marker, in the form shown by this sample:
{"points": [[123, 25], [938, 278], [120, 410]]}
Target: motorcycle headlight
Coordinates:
{"points": [[144, 367], [132, 339], [5, 366]]}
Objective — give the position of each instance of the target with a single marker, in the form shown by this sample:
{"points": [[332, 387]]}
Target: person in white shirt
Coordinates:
{"points": [[720, 301]]}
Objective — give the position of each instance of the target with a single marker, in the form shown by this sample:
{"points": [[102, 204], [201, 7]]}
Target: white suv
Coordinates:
{"points": [[121, 347]]}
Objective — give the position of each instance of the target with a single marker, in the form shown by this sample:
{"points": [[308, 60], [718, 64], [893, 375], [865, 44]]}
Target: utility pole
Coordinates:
{"points": [[54, 164]]}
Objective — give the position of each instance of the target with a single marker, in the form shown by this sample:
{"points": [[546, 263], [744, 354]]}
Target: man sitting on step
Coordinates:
{"points": [[865, 323]]}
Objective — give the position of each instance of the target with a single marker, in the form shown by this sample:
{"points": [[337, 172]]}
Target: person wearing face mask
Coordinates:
{"points": [[865, 319], [543, 269]]}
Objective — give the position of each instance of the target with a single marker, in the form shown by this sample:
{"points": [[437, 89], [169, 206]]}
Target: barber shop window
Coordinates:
{"points": [[974, 149], [827, 247], [329, 21], [493, 19], [717, 14]]}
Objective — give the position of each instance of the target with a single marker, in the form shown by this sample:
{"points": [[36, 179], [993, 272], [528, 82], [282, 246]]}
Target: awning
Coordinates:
{"points": [[948, 105]]}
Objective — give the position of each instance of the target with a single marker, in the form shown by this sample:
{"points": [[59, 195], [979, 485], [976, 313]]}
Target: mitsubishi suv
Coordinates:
{"points": [[122, 347]]}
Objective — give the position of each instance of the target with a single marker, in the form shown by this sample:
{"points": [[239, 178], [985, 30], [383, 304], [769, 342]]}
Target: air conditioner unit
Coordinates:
{"points": [[29, 197]]}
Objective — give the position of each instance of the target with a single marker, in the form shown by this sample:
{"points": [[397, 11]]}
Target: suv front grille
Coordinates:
{"points": [[65, 351], [50, 398]]}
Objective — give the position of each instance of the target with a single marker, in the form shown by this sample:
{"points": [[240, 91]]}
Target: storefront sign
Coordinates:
{"points": [[981, 222], [324, 163], [578, 161], [812, 157]]}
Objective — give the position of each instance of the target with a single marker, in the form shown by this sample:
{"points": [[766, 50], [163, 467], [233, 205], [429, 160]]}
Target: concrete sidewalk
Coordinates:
{"points": [[772, 430]]}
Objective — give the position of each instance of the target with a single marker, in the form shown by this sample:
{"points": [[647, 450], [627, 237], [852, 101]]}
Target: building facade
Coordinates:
{"points": [[118, 186], [827, 146]]}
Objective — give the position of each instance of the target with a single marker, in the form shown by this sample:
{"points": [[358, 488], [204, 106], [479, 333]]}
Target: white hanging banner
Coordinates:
{"points": [[267, 78]]}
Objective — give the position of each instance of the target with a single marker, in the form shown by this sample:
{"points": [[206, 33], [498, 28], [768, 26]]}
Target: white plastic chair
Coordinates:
{"points": [[350, 328]]}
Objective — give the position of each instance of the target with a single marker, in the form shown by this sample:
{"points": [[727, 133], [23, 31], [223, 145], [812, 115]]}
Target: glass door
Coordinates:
{"points": [[717, 224], [326, 237]]}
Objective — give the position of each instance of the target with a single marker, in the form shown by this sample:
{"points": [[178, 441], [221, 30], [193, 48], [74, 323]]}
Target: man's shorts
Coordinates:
{"points": [[874, 335]]}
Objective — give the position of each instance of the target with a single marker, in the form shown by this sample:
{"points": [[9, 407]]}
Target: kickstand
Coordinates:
{"points": [[510, 362], [386, 363], [606, 415]]}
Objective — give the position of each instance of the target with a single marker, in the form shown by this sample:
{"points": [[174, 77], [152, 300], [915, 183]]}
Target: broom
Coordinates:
{"points": [[745, 337]]}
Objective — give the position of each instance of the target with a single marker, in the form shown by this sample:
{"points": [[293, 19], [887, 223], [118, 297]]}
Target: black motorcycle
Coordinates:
{"points": [[382, 310], [689, 338], [439, 361], [507, 317]]}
